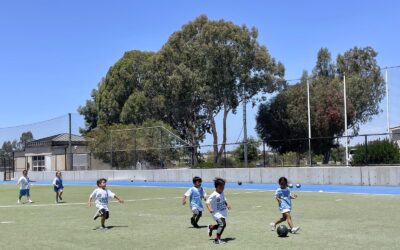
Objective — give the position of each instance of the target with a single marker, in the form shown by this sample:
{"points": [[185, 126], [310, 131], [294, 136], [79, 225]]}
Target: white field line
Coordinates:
{"points": [[72, 204], [84, 203], [163, 198]]}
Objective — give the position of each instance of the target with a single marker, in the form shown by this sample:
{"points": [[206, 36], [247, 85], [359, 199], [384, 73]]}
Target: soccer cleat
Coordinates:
{"points": [[210, 229], [272, 226], [192, 221], [103, 228], [97, 215], [30, 201], [295, 230], [18, 201], [219, 241]]}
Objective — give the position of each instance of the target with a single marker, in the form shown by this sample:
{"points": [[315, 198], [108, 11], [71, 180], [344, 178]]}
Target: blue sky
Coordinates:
{"points": [[53, 53]]}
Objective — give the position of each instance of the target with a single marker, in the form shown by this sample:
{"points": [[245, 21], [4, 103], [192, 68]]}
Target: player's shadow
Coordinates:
{"points": [[229, 239], [108, 227], [111, 227], [226, 239], [199, 227]]}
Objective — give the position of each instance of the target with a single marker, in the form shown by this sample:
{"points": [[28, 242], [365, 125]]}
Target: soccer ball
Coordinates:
{"points": [[298, 185], [290, 185], [282, 231]]}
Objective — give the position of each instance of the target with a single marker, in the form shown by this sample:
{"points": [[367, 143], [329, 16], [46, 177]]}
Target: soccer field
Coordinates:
{"points": [[154, 218]]}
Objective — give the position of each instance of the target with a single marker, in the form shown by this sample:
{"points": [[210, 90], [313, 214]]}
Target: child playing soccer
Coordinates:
{"points": [[101, 196], [217, 206], [24, 183], [58, 186], [283, 196], [195, 194]]}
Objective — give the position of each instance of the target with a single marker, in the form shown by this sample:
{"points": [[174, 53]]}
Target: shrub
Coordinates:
{"points": [[379, 152]]}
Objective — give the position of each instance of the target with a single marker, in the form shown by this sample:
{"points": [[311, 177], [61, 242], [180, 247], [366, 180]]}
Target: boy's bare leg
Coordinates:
{"points": [[103, 220]]}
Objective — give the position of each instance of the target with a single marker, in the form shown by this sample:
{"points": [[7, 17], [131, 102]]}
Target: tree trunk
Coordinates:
{"points": [[327, 156], [224, 133], [214, 133]]}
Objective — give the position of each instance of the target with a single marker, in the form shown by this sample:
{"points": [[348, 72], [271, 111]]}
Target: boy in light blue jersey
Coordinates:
{"points": [[195, 194], [284, 198]]}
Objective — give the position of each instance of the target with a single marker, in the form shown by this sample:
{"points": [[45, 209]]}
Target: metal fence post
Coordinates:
{"points": [[366, 150], [264, 154]]}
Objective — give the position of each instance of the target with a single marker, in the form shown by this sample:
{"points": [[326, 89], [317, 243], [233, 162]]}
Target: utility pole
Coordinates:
{"points": [[309, 122], [244, 128], [71, 158], [345, 119]]}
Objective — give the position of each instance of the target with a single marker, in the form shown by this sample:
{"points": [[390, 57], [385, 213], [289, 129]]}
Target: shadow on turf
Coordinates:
{"points": [[226, 239], [198, 227], [108, 227]]}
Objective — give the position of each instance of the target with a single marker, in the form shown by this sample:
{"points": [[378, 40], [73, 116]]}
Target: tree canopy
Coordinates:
{"points": [[285, 116]]}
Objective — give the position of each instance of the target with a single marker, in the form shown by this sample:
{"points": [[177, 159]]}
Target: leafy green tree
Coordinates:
{"points": [[379, 152], [219, 64], [252, 150], [284, 118], [123, 145]]}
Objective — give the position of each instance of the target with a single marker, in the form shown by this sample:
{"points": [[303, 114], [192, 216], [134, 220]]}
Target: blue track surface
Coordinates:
{"points": [[307, 188]]}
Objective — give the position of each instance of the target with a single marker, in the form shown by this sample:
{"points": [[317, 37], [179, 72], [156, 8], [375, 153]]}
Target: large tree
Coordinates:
{"points": [[215, 65], [284, 119]]}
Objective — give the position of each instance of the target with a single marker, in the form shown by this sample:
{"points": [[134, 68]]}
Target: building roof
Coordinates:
{"points": [[398, 127], [58, 140]]}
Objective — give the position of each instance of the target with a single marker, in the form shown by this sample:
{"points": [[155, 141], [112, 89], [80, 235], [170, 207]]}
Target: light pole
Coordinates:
{"points": [[309, 122], [345, 119]]}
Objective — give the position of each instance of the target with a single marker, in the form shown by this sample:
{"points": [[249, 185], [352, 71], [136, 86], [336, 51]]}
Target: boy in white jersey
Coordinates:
{"points": [[195, 194], [24, 188], [218, 206], [284, 198], [101, 195]]}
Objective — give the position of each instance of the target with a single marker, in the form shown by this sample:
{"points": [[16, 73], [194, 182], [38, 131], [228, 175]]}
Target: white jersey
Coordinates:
{"points": [[218, 205], [101, 197], [24, 182]]}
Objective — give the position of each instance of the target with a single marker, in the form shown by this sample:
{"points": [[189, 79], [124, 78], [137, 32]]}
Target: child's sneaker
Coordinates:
{"points": [[295, 230], [192, 221], [210, 229], [97, 215], [103, 228], [272, 226], [30, 201], [219, 241]]}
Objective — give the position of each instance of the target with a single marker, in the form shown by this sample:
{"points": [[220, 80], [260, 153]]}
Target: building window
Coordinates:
{"points": [[38, 163]]}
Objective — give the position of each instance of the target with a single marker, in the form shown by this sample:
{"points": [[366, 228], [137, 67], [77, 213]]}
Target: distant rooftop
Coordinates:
{"points": [[58, 140]]}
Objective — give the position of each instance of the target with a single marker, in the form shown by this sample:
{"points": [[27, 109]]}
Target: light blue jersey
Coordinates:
{"points": [[284, 195], [195, 195]]}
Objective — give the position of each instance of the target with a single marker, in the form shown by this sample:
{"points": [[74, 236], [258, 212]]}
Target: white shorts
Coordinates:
{"points": [[99, 207], [283, 211], [219, 215], [196, 210]]}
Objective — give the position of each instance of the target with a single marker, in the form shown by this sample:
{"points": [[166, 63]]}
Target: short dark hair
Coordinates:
{"points": [[24, 171], [101, 180], [218, 181], [196, 179], [282, 179]]}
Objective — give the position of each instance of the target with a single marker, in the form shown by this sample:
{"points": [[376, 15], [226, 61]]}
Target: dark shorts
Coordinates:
{"points": [[58, 189], [24, 192], [104, 213]]}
